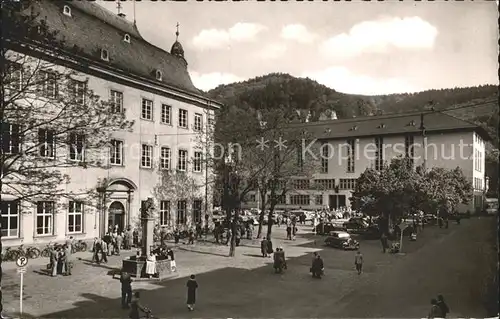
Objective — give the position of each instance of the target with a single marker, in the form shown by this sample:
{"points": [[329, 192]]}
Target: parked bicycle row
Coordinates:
{"points": [[32, 252]]}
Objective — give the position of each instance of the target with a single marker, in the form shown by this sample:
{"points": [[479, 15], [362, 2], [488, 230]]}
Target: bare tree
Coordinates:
{"points": [[50, 120]]}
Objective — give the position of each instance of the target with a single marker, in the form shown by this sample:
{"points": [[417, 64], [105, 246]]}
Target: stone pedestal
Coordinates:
{"points": [[147, 235]]}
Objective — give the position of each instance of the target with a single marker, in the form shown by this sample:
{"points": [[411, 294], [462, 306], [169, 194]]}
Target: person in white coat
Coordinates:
{"points": [[151, 265]]}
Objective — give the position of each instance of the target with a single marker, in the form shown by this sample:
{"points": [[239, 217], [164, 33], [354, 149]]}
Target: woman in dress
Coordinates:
{"points": [[151, 265]]}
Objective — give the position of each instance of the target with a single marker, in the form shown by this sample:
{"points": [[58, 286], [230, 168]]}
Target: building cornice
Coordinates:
{"points": [[92, 67]]}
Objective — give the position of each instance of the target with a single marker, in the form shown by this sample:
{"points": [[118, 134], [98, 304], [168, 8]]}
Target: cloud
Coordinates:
{"points": [[342, 80], [208, 81], [297, 32], [380, 36], [216, 38], [272, 51]]}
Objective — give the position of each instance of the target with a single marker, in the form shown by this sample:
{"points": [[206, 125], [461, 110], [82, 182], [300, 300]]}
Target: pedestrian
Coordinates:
{"points": [[136, 307], [69, 243], [435, 311], [104, 251], [170, 256], [119, 243], [126, 282], [443, 306], [263, 247], [289, 232], [135, 237], [191, 237], [358, 262], [96, 249], [191, 285], [317, 267], [151, 265], [53, 260], [383, 240], [68, 260], [294, 232], [269, 246]]}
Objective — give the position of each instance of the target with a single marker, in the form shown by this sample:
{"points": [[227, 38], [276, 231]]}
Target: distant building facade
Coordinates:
{"points": [[434, 139], [153, 88]]}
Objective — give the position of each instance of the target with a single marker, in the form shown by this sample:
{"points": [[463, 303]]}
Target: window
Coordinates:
{"points": [[299, 200], [158, 75], [146, 156], [301, 184], [347, 183], [67, 11], [126, 38], [351, 155], [76, 142], [165, 154], [147, 110], [197, 203], [14, 78], [44, 218], [183, 118], [9, 137], [104, 55], [116, 152], [325, 155], [46, 143], [379, 153], [324, 183], [182, 161], [166, 114], [75, 217], [197, 162], [409, 147], [47, 83], [198, 121], [210, 122], [319, 199], [78, 89], [251, 198], [116, 102], [10, 218], [165, 217], [181, 212]]}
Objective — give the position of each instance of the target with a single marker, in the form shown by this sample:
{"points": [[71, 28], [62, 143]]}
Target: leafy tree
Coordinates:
{"points": [[50, 121], [176, 186]]}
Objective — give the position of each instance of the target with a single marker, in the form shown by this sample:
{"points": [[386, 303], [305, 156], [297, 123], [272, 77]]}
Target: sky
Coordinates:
{"points": [[354, 47]]}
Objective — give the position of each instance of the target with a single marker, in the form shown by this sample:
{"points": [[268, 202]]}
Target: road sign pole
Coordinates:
{"points": [[401, 243], [21, 296]]}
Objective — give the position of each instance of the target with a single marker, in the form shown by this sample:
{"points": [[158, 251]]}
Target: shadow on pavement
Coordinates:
{"points": [[202, 252]]}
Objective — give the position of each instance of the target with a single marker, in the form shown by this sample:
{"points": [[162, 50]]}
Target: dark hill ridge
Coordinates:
{"points": [[308, 95]]}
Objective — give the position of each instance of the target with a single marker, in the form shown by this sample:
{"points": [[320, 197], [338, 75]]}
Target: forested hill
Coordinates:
{"points": [[478, 104]]}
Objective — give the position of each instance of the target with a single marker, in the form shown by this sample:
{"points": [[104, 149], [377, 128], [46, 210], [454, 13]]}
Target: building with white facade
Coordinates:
{"points": [[353, 145], [153, 88]]}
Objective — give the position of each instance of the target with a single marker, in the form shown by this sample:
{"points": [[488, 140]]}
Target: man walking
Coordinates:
{"points": [[191, 285], [68, 260], [383, 240], [126, 282], [358, 262], [263, 247]]}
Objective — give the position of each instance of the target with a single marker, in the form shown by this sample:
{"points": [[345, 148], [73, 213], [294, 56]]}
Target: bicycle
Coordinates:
{"points": [[148, 314], [47, 250], [79, 246]]}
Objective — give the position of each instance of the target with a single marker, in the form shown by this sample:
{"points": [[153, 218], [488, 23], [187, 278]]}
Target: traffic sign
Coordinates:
{"points": [[22, 261], [21, 270]]}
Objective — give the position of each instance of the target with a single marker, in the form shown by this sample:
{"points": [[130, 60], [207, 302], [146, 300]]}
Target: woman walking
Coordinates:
{"points": [[191, 285]]}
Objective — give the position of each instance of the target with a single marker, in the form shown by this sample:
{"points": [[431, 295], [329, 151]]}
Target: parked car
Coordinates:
{"points": [[341, 239], [328, 228], [356, 225]]}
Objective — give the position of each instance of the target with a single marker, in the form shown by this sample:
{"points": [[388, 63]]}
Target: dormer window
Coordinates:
{"points": [[126, 38], [67, 11], [158, 75], [104, 55], [354, 128], [328, 130], [381, 125], [412, 123]]}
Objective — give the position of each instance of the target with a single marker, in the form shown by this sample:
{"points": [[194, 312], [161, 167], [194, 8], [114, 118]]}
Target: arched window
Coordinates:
{"points": [[158, 75], [126, 38], [67, 11]]}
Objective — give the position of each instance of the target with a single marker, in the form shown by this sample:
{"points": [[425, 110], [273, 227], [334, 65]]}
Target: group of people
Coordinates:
{"points": [[439, 308], [112, 243], [160, 253], [61, 261]]}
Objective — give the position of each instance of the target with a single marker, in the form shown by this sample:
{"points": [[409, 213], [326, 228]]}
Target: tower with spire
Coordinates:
{"points": [[177, 49]]}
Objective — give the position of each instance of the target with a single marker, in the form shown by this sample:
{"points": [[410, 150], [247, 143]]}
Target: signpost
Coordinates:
{"points": [[21, 263]]}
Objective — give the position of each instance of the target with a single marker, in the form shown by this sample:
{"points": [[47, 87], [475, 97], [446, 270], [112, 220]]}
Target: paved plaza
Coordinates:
{"points": [[459, 262]]}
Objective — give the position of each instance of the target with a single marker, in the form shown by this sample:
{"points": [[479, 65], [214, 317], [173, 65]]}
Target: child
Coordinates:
{"points": [[192, 285]]}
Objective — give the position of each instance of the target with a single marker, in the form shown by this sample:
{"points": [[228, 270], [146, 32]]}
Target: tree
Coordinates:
{"points": [[50, 121], [177, 186]]}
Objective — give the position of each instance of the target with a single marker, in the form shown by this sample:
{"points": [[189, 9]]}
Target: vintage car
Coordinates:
{"points": [[327, 228], [341, 239]]}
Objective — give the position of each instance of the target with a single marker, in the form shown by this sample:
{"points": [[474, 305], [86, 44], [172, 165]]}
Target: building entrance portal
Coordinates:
{"points": [[116, 216]]}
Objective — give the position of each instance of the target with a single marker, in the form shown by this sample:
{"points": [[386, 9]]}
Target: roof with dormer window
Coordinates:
{"points": [[92, 28]]}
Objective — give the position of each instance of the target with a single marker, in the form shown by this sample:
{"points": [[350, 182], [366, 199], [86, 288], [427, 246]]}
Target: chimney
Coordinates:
{"points": [[122, 15]]}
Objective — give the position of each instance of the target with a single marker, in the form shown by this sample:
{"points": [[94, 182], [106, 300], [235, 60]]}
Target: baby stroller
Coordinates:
{"points": [[395, 248]]}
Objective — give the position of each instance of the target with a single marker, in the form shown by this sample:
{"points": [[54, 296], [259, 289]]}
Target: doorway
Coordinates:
{"points": [[116, 216], [337, 201]]}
